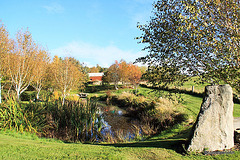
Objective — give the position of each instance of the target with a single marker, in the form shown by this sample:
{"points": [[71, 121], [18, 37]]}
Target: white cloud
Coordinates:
{"points": [[54, 8], [91, 54]]}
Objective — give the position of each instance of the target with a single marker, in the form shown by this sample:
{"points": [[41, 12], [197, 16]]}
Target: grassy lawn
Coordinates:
{"points": [[167, 145], [18, 146]]}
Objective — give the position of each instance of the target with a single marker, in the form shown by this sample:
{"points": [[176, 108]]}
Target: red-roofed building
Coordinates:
{"points": [[95, 77]]}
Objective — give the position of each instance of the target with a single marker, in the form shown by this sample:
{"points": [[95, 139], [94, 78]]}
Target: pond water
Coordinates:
{"points": [[117, 124]]}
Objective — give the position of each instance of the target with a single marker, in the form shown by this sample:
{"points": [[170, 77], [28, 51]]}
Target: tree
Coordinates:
{"points": [[114, 73], [194, 38], [94, 70], [82, 69], [134, 74], [40, 71], [21, 62], [106, 79], [4, 49], [66, 75], [123, 71]]}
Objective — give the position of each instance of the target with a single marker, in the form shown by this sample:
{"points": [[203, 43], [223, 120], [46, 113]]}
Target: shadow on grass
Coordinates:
{"points": [[236, 98], [176, 142], [175, 90]]}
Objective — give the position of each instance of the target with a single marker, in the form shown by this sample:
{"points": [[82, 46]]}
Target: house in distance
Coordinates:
{"points": [[95, 78]]}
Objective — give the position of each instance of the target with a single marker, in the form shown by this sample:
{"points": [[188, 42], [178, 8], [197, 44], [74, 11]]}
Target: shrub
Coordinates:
{"points": [[73, 97], [12, 116], [56, 95]]}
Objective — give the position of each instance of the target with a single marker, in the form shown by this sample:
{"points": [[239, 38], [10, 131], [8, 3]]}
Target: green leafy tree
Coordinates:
{"points": [[194, 38]]}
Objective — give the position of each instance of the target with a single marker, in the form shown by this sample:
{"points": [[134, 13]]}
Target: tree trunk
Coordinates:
{"points": [[37, 96], [63, 100], [115, 84], [18, 94]]}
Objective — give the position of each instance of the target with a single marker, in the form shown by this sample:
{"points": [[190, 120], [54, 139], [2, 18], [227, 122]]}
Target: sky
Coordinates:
{"points": [[92, 31]]}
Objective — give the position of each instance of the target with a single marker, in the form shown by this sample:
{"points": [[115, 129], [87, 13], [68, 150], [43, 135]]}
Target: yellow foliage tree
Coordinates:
{"points": [[40, 72], [4, 49], [21, 62], [66, 76]]}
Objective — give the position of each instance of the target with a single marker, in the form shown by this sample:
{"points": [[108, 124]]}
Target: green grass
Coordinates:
{"points": [[167, 145], [18, 146]]}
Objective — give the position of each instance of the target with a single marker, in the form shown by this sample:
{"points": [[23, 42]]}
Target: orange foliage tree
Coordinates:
{"points": [[124, 72], [134, 74]]}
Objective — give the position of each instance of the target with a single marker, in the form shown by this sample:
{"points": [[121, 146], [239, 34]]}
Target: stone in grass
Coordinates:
{"points": [[213, 129]]}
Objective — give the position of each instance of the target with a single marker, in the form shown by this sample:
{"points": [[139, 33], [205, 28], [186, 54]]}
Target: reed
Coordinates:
{"points": [[12, 116], [73, 121]]}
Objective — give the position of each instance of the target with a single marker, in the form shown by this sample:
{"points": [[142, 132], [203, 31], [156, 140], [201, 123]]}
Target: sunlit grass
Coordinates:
{"points": [[162, 146]]}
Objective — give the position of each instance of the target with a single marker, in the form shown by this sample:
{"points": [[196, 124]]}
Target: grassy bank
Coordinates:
{"points": [[20, 146]]}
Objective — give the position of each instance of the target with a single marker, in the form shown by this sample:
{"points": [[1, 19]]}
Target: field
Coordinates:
{"points": [[167, 145]]}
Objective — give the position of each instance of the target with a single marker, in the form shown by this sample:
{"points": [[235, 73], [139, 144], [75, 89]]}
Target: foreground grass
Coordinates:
{"points": [[16, 146], [13, 147]]}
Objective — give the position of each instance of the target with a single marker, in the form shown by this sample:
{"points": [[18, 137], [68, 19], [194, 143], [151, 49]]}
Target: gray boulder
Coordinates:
{"points": [[213, 129]]}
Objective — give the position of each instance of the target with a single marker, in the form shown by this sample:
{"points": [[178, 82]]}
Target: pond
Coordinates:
{"points": [[118, 125]]}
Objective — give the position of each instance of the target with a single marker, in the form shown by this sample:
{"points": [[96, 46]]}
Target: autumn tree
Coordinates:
{"points": [[134, 74], [123, 71], [4, 50], [114, 74], [20, 62], [194, 38], [80, 66], [41, 61], [93, 70], [66, 75]]}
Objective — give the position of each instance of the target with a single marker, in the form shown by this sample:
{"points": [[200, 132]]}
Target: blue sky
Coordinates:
{"points": [[92, 31]]}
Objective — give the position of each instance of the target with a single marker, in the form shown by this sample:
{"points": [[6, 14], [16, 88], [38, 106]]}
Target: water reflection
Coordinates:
{"points": [[118, 125]]}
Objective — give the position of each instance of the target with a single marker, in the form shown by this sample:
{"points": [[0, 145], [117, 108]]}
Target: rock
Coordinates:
{"points": [[213, 129]]}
